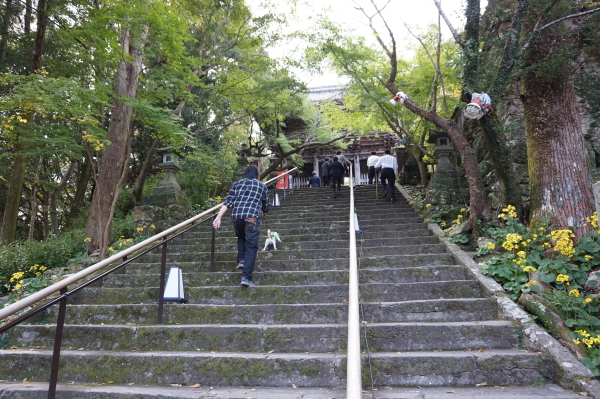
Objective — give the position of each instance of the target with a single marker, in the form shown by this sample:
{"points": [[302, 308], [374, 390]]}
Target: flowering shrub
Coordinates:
{"points": [[556, 259]]}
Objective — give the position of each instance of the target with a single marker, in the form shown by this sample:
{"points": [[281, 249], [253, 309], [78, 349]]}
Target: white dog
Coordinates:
{"points": [[272, 238]]}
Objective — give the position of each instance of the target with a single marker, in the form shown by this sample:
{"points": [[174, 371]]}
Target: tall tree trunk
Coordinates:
{"points": [[422, 169], [5, 30], [560, 183], [139, 184], [33, 200], [85, 169], [27, 19], [13, 198], [11, 211], [54, 198], [114, 157]]}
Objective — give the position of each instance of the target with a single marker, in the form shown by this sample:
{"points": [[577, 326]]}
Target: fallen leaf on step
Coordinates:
{"points": [[583, 393], [131, 383], [81, 349], [196, 385], [450, 392], [308, 353], [175, 385], [110, 382], [29, 386], [71, 382], [294, 386], [365, 391], [482, 384], [345, 303], [31, 349], [271, 351], [398, 352], [469, 350], [481, 350], [31, 379]]}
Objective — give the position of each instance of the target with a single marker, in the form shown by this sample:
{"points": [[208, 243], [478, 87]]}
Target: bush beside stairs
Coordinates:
{"points": [[427, 331]]}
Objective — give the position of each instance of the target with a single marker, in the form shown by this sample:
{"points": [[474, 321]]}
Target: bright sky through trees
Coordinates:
{"points": [[416, 14]]}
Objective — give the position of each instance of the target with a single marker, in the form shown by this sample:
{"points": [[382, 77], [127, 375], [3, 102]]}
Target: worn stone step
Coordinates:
{"points": [[287, 294], [309, 240], [273, 337], [465, 368], [388, 230], [452, 368], [300, 253], [38, 390], [265, 265], [464, 309], [325, 277]]}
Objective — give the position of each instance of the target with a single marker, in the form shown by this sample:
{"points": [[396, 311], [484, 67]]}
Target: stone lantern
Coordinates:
{"points": [[443, 149], [168, 192], [446, 186]]}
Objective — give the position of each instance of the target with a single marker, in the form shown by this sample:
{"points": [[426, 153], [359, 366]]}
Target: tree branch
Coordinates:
{"points": [[538, 30], [457, 37]]}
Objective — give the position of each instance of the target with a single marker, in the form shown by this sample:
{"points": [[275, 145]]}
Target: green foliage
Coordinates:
{"points": [[22, 256], [557, 260]]}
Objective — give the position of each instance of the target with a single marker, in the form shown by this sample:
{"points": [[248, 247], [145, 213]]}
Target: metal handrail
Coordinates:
{"points": [[62, 285], [46, 292], [353, 366]]}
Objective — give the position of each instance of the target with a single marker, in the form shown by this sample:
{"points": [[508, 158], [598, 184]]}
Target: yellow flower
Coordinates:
{"points": [[575, 293], [521, 254], [42, 268], [576, 341], [88, 239], [583, 333], [18, 286], [140, 229], [562, 278], [587, 300], [152, 226], [502, 216], [443, 224], [428, 205], [531, 283], [111, 249], [490, 245], [588, 257], [463, 209], [529, 269], [38, 274]]}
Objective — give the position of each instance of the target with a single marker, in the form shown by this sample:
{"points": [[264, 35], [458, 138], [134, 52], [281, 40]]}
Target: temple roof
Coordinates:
{"points": [[325, 93]]}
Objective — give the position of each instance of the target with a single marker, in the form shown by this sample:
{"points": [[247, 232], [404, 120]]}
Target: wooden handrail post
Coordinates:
{"points": [[58, 336]]}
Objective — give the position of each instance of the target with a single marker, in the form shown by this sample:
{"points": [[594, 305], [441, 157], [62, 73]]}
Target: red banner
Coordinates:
{"points": [[283, 181]]}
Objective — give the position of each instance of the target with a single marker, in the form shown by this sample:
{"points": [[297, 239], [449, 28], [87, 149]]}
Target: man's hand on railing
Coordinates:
{"points": [[217, 221]]}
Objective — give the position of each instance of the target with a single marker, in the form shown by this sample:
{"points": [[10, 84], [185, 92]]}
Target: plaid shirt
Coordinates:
{"points": [[248, 197]]}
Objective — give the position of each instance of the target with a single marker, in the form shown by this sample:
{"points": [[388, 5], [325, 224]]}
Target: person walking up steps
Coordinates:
{"points": [[250, 200], [371, 162], [336, 174], [325, 172], [389, 168]]}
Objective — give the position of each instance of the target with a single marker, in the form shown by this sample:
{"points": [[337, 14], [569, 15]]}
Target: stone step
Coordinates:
{"points": [[38, 390], [295, 243], [266, 265], [329, 337], [286, 294], [451, 368], [437, 310], [301, 253], [325, 277], [388, 230]]}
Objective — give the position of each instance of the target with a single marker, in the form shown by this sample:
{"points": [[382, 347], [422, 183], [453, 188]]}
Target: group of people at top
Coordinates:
{"points": [[333, 172]]}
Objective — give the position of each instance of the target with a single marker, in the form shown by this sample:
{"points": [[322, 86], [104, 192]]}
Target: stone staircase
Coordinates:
{"points": [[428, 330]]}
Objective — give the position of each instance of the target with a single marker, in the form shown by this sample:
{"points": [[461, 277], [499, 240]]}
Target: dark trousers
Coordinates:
{"points": [[337, 183], [247, 233], [325, 181], [387, 174], [372, 174]]}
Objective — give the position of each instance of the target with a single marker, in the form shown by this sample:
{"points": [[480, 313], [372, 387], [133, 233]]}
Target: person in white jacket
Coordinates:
{"points": [[371, 162], [389, 169]]}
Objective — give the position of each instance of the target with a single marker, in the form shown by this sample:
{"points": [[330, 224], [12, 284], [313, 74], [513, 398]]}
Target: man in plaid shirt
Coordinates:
{"points": [[249, 199]]}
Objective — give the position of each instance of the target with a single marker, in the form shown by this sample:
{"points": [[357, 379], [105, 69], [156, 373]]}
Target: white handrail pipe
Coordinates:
{"points": [[353, 372]]}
